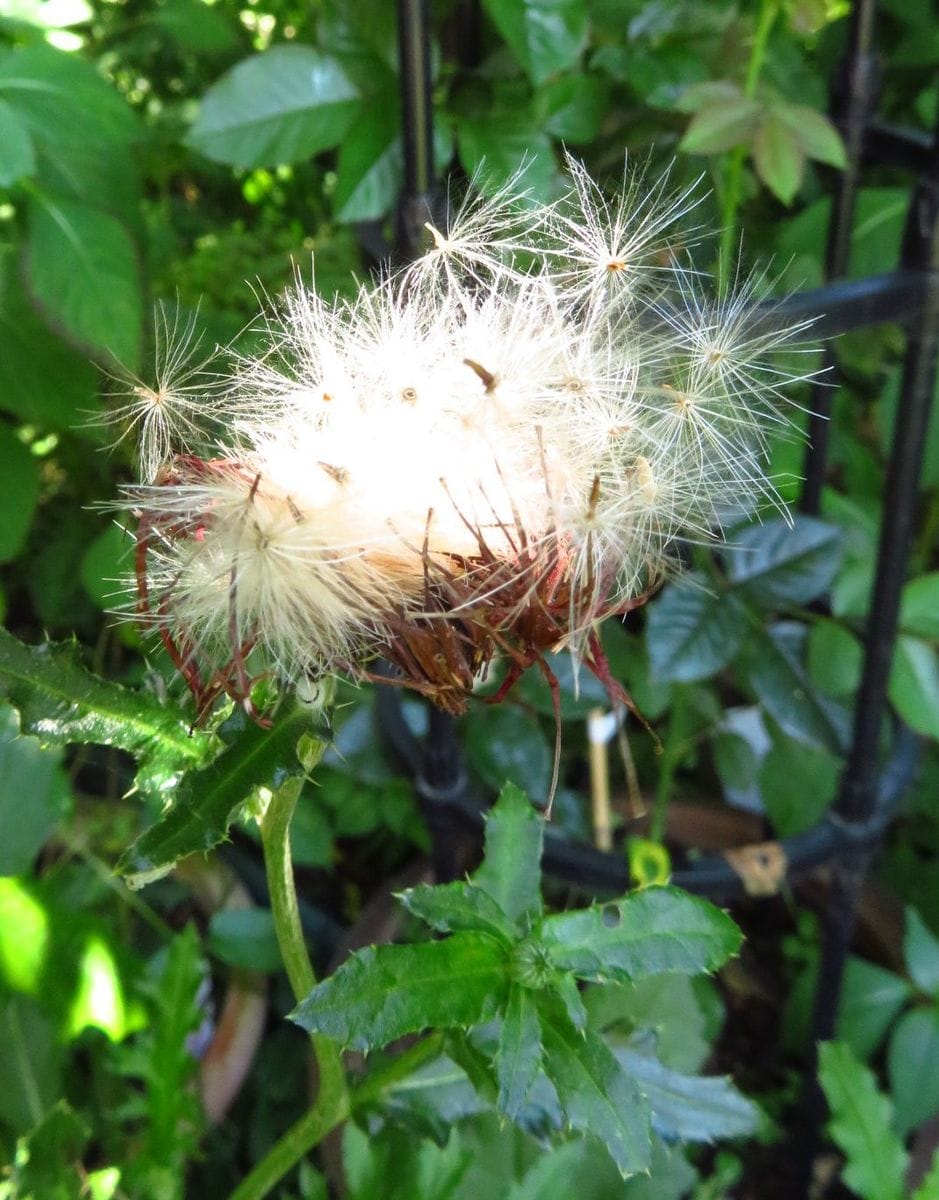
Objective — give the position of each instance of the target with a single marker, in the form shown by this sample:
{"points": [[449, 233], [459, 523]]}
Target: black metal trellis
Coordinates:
{"points": [[851, 831]]}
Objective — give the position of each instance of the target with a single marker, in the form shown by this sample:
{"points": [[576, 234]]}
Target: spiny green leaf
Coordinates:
{"points": [[519, 1054], [861, 1125], [207, 802], [511, 866], [690, 1108], [384, 992], [646, 933], [784, 562], [61, 703], [596, 1094], [277, 107], [451, 906]]}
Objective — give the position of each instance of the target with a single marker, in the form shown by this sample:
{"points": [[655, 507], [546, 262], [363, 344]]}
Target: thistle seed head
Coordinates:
{"points": [[486, 453]]}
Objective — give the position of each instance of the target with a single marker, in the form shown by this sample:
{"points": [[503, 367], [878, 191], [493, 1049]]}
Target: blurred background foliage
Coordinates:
{"points": [[202, 153]]}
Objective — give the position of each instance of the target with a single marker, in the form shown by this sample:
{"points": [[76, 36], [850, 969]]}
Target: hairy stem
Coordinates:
{"points": [[332, 1098], [730, 193]]}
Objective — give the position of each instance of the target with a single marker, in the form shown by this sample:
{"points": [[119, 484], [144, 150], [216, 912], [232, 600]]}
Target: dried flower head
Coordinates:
{"points": [[483, 455]]}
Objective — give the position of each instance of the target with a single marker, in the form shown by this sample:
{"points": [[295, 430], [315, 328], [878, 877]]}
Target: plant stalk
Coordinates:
{"points": [[730, 195], [332, 1105]]}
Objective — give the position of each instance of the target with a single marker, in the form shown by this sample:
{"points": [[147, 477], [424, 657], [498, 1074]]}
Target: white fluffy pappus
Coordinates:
{"points": [[484, 454]]}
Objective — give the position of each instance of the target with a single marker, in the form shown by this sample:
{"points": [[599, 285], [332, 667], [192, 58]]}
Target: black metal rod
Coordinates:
{"points": [[852, 105], [417, 129]]}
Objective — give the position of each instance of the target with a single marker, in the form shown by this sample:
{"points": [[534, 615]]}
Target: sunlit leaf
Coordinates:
{"points": [[281, 106]]}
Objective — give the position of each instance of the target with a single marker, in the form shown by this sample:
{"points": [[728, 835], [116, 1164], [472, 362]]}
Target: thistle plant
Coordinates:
{"points": [[484, 454]]}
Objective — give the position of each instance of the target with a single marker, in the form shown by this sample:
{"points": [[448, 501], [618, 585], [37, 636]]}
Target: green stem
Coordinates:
{"points": [[398, 1068], [331, 1106], [730, 196]]}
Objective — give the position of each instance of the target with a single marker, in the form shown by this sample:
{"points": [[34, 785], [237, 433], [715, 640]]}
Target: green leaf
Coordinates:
{"points": [[17, 156], [384, 992], [784, 562], [816, 135], [508, 743], [692, 632], [569, 994], [708, 92], [720, 124], [511, 868], [27, 770], [207, 802], [448, 907], [914, 685], [921, 954], [778, 157], [544, 35], [371, 163], [282, 106], [19, 470], [84, 276], [164, 1063], [871, 997], [48, 1160], [919, 606], [42, 85], [835, 657], [106, 565], [929, 1188], [245, 937], [645, 933], [690, 1108], [797, 784], [574, 106], [596, 1094], [912, 1054], [781, 684], [61, 703], [504, 143], [518, 1057], [861, 1125], [42, 380], [31, 1056], [195, 26], [666, 1005]]}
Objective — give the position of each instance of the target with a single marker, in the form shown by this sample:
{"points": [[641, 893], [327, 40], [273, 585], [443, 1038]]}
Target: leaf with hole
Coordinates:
{"points": [[651, 931]]}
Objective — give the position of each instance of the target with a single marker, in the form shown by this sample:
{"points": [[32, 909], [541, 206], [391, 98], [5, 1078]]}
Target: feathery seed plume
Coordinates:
{"points": [[485, 454]]}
